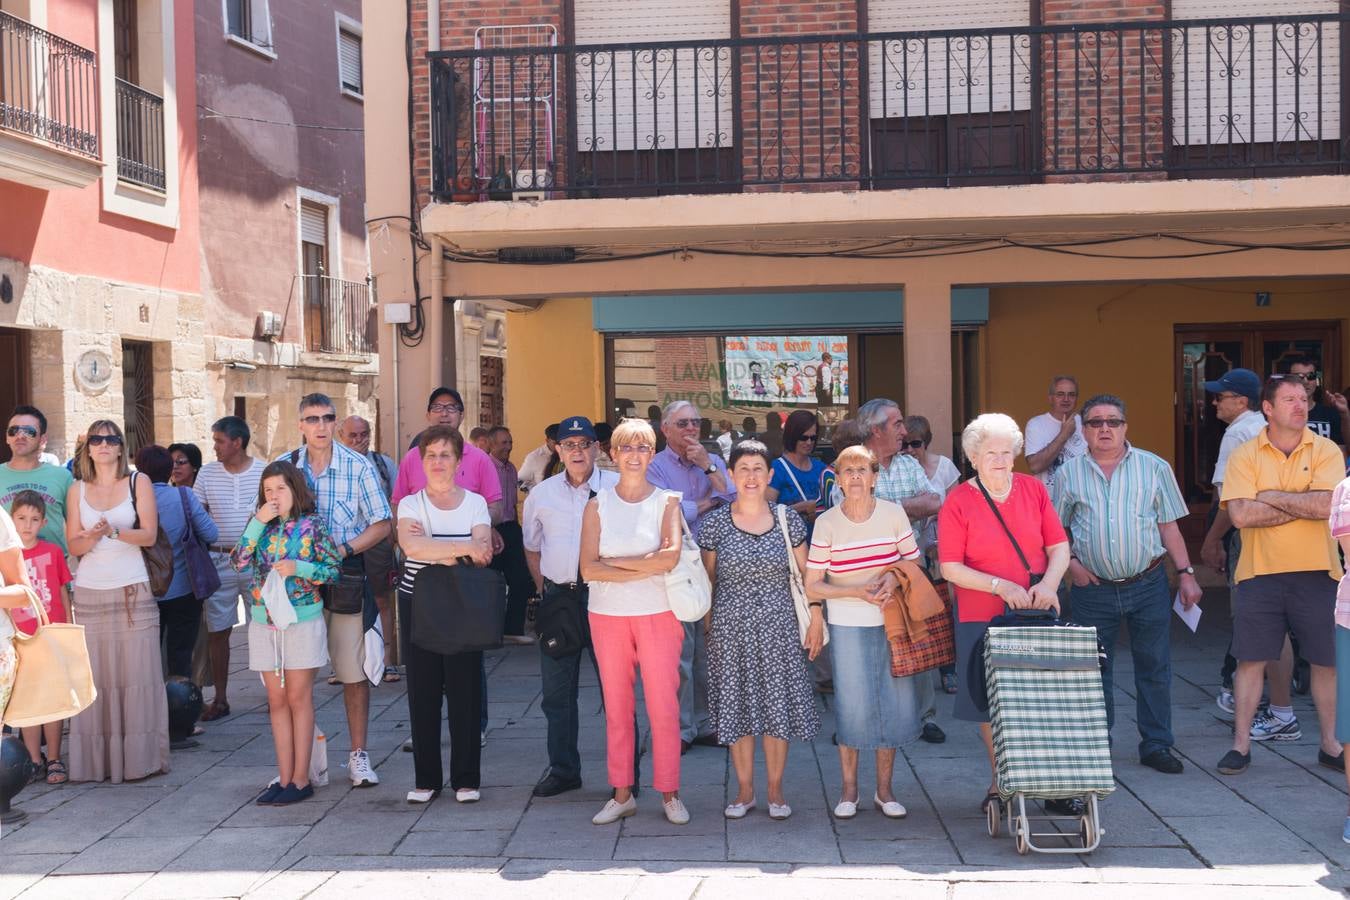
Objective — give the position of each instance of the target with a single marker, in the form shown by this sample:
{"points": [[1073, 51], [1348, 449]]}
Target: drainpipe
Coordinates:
{"points": [[436, 315], [433, 25]]}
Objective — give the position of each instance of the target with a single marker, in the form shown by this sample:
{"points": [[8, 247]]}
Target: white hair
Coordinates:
{"points": [[675, 406], [872, 415], [988, 425]]}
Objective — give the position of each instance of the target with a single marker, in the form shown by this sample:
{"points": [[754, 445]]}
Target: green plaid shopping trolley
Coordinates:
{"points": [[1051, 741]]}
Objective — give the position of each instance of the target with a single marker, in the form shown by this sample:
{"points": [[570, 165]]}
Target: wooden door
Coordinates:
{"points": [[14, 356]]}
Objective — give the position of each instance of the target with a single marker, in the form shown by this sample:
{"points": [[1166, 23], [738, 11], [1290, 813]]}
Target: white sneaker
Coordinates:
{"points": [[1225, 701], [613, 811], [676, 814], [358, 767], [1269, 727], [468, 795]]}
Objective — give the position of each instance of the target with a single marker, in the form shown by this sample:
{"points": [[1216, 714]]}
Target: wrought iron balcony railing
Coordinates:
{"points": [[140, 136], [48, 87], [990, 106], [339, 315]]}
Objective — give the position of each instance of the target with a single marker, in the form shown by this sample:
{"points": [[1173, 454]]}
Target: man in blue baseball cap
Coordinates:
{"points": [[1237, 402]]}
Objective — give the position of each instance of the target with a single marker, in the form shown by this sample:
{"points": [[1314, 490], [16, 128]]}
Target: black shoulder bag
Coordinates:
{"points": [[459, 608], [563, 623]]}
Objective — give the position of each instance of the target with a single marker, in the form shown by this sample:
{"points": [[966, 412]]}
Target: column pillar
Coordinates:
{"points": [[928, 358]]}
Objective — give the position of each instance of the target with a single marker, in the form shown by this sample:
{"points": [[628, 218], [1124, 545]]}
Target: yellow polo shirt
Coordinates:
{"points": [[1303, 545]]}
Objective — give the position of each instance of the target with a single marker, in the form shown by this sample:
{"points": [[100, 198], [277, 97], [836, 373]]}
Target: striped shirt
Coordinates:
{"points": [[902, 479], [348, 492], [442, 524], [1114, 524], [230, 500], [853, 553]]}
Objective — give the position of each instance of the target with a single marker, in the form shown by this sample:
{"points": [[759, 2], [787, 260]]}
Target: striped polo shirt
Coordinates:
{"points": [[1114, 524], [230, 500], [853, 553]]}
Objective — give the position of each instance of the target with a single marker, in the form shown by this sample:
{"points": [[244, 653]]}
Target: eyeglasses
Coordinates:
{"points": [[445, 408], [686, 423], [1305, 376], [635, 448], [809, 437], [15, 430], [1226, 395], [179, 462], [912, 445], [111, 440], [575, 446], [1104, 423], [315, 420]]}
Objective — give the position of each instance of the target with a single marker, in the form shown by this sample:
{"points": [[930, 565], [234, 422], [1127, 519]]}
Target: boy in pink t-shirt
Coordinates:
{"points": [[50, 576]]}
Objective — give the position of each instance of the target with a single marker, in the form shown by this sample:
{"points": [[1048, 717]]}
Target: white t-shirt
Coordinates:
{"points": [[1239, 431], [9, 539], [1041, 433], [630, 529], [229, 499], [443, 524]]}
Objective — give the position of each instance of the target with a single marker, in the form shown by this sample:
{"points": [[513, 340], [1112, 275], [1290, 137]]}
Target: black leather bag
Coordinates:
{"points": [[562, 622], [458, 609], [348, 595]]}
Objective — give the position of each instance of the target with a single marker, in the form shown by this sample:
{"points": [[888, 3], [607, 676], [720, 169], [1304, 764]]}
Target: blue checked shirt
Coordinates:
{"points": [[902, 479], [1114, 524], [349, 494]]}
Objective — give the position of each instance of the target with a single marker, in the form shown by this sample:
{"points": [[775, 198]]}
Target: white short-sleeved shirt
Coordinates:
{"points": [[1041, 432], [9, 540], [551, 523], [1239, 431], [442, 524]]}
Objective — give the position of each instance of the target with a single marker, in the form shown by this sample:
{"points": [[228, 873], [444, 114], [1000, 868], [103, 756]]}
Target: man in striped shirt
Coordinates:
{"points": [[228, 489], [1120, 506]]}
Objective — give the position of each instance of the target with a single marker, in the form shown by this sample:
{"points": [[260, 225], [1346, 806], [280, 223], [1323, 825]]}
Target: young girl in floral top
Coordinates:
{"points": [[287, 536]]}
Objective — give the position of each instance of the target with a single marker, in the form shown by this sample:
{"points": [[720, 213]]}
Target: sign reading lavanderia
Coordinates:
{"points": [[806, 369]]}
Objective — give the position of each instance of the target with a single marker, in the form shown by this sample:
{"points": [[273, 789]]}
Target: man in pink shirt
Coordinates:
{"points": [[476, 471]]}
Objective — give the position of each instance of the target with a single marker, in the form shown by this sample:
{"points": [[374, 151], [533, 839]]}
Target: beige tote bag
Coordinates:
{"points": [[54, 680]]}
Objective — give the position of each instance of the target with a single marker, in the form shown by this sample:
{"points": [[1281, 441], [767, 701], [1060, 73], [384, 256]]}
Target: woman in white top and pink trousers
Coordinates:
{"points": [[630, 539]]}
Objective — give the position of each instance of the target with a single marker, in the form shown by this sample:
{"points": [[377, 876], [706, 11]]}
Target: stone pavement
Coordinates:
{"points": [[1271, 833]]}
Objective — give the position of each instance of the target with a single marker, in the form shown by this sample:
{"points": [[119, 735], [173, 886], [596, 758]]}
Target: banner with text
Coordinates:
{"points": [[811, 370]]}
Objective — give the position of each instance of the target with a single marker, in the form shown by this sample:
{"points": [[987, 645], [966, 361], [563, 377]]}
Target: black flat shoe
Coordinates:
{"points": [[932, 733], [552, 786], [1163, 761], [1336, 762], [1234, 763]]}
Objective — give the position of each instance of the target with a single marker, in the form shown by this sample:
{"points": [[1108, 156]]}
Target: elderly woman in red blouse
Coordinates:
{"points": [[1001, 545]]}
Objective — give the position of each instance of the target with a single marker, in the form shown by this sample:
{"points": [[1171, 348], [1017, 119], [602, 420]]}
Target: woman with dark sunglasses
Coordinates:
{"points": [[110, 517], [795, 476]]}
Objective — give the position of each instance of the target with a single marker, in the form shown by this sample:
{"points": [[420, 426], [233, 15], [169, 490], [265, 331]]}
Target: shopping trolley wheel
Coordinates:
{"points": [[993, 814], [1020, 837], [1085, 831]]}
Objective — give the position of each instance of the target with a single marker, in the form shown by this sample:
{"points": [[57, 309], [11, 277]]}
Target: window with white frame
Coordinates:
{"points": [[349, 56], [249, 21]]}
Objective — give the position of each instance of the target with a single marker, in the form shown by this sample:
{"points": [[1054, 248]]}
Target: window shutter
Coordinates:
{"points": [[349, 60], [313, 223], [948, 75], [668, 99], [1276, 72]]}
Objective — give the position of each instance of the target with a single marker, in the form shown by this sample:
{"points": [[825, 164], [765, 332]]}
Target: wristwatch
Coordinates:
{"points": [[347, 549], [711, 470], [993, 587], [114, 533], [1189, 570]]}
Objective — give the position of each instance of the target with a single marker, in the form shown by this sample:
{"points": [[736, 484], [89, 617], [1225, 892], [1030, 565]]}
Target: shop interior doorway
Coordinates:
{"points": [[14, 359]]}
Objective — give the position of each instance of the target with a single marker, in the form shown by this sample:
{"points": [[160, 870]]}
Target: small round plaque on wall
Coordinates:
{"points": [[93, 370]]}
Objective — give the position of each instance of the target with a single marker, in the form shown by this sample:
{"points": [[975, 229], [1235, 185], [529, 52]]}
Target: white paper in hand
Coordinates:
{"points": [[279, 608], [1190, 616]]}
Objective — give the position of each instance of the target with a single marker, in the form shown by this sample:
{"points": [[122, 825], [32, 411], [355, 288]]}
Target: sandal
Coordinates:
{"points": [[215, 711], [392, 674], [56, 772], [38, 771]]}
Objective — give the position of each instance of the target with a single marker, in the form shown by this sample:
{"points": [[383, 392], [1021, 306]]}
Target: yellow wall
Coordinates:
{"points": [[555, 368], [1119, 339]]}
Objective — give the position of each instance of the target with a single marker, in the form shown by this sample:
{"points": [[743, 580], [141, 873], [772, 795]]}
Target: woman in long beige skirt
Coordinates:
{"points": [[124, 734]]}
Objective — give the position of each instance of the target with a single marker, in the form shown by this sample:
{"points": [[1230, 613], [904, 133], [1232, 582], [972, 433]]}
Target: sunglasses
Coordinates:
{"points": [[315, 420], [15, 430], [912, 445], [111, 440], [1104, 423], [179, 462], [445, 408], [686, 423], [809, 437]]}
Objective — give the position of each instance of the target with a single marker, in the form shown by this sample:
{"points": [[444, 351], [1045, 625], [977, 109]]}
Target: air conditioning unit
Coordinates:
{"points": [[531, 184], [268, 327]]}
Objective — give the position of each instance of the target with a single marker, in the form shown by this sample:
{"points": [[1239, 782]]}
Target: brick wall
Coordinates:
{"points": [[1103, 106]]}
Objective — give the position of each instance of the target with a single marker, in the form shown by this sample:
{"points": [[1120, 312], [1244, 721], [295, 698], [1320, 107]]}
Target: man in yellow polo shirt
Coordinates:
{"points": [[1278, 491]]}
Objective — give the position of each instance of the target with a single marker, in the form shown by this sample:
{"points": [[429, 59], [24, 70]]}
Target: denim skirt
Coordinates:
{"points": [[872, 709]]}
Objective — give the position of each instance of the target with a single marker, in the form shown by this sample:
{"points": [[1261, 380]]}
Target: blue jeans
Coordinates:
{"points": [[1146, 607], [560, 679]]}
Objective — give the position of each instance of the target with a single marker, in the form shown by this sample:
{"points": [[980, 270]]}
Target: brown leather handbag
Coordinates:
{"points": [[53, 679], [159, 556]]}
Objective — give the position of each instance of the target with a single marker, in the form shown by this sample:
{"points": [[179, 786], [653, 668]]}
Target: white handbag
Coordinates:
{"points": [[800, 604], [688, 587]]}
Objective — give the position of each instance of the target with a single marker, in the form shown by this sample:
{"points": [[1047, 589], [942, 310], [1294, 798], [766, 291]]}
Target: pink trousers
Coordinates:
{"points": [[622, 645]]}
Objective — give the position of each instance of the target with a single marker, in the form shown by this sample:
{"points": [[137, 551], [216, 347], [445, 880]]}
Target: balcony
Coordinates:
{"points": [[48, 108], [140, 136], [339, 316], [1111, 101]]}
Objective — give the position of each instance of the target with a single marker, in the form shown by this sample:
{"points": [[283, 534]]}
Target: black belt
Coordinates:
{"points": [[216, 548], [564, 585], [1134, 578]]}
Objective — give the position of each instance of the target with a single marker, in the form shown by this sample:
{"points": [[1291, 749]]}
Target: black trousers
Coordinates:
{"points": [[435, 680], [519, 585], [179, 619]]}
